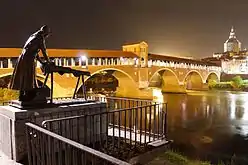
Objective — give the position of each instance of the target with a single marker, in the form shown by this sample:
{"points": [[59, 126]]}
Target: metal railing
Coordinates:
{"points": [[121, 102], [112, 103], [48, 148], [116, 132], [121, 128]]}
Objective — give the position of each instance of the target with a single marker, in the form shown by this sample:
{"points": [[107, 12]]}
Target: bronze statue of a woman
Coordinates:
{"points": [[24, 74]]}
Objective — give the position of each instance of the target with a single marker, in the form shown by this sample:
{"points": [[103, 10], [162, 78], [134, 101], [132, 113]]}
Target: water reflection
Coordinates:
{"points": [[218, 116]]}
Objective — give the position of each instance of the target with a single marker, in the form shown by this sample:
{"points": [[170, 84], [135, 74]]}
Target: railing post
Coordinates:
{"points": [[28, 145], [165, 121]]}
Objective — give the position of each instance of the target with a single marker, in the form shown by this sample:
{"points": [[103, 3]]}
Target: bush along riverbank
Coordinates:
{"points": [[236, 84]]}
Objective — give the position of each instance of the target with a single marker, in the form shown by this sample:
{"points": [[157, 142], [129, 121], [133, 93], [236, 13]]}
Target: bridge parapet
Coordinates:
{"points": [[183, 65], [122, 61]]}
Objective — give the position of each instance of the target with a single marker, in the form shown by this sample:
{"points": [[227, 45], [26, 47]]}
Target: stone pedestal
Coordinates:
{"points": [[13, 119]]}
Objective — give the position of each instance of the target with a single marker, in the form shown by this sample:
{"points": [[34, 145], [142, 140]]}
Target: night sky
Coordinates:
{"points": [[177, 27]]}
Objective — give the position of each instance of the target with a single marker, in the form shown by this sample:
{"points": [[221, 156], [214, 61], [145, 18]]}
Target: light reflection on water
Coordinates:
{"points": [[219, 116]]}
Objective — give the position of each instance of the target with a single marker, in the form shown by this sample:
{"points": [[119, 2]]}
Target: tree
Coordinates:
{"points": [[237, 82], [212, 83]]}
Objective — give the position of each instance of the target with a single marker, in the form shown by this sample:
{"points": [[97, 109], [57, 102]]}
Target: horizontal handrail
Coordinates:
{"points": [[78, 145], [100, 113], [131, 99]]}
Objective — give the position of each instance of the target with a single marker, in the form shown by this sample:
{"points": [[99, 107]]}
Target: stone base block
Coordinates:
{"points": [[13, 119]]}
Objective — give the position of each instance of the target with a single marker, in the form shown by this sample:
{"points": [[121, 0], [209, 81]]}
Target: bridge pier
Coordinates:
{"points": [[127, 89], [205, 87], [197, 87], [135, 93]]}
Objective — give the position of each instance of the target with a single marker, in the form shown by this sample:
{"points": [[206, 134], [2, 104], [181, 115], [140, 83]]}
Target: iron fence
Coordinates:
{"points": [[48, 148], [121, 128], [121, 102], [112, 103], [120, 133]]}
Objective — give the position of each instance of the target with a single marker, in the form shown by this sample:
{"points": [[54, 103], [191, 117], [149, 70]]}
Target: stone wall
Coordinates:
{"points": [[12, 124]]}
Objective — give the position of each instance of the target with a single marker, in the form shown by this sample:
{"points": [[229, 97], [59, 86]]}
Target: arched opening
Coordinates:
{"points": [[5, 80], [101, 83], [108, 82], [4, 83], [167, 80], [193, 81], [156, 80], [212, 77], [212, 80]]}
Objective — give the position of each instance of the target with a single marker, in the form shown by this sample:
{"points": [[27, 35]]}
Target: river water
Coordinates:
{"points": [[209, 125]]}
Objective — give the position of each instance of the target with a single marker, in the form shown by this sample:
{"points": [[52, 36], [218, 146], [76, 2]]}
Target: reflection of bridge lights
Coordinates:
{"points": [[155, 111], [207, 110], [184, 106], [150, 116], [233, 108], [157, 95], [184, 113], [245, 115]]}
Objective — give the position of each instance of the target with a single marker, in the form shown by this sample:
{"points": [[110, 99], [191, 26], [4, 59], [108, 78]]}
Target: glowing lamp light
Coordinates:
{"points": [[83, 58]]}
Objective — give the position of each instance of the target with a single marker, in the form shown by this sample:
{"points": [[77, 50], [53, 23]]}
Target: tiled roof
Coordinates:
{"points": [[178, 59], [15, 52]]}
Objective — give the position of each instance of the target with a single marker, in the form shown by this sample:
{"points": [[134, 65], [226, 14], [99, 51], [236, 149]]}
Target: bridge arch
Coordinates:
{"points": [[167, 80], [213, 76], [58, 90], [126, 85], [191, 72], [38, 76], [194, 80], [111, 69], [164, 69]]}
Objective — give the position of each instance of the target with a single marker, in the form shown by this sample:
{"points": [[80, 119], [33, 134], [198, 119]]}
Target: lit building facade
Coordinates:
{"points": [[233, 60], [141, 50]]}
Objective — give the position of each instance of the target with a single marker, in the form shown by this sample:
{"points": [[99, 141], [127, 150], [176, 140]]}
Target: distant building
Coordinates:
{"points": [[233, 60], [232, 44], [140, 49]]}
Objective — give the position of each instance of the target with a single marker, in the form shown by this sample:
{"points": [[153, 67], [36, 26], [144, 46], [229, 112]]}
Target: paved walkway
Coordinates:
{"points": [[4, 160]]}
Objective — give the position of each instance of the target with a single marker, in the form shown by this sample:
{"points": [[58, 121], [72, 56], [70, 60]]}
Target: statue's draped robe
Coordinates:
{"points": [[24, 74]]}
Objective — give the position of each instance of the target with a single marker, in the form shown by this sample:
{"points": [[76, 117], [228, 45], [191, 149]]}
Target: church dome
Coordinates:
{"points": [[232, 44]]}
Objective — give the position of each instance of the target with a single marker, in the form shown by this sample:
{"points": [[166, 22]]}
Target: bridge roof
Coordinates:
{"points": [[179, 59], [15, 52]]}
